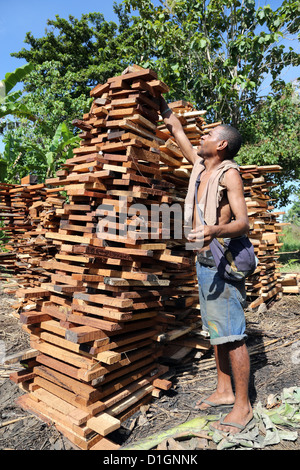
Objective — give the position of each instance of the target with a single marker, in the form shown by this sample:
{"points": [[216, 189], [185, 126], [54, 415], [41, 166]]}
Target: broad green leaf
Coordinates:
{"points": [[288, 435], [190, 427], [50, 158], [2, 91], [12, 78]]}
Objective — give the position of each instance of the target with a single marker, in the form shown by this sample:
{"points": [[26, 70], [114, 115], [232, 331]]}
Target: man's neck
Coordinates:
{"points": [[212, 163]]}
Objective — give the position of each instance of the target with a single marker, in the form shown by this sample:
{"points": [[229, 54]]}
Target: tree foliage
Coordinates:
{"points": [[272, 136], [11, 104], [82, 51], [215, 53], [72, 57]]}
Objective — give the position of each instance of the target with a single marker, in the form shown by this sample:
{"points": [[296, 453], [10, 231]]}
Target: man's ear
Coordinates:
{"points": [[222, 145]]}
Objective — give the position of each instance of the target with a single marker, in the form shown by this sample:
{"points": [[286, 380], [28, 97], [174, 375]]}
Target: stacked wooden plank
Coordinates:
{"points": [[25, 224], [290, 283], [175, 167], [183, 336], [7, 256], [94, 325], [265, 229]]}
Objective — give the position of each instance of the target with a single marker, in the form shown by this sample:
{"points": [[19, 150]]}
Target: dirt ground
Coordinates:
{"points": [[274, 347]]}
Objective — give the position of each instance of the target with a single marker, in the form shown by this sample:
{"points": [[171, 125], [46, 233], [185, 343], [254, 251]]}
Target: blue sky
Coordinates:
{"points": [[21, 16]]}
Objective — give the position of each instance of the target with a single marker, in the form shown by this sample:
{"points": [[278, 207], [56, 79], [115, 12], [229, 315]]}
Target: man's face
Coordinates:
{"points": [[209, 144]]}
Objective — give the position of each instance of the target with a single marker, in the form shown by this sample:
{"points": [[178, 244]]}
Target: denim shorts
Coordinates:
{"points": [[222, 306]]}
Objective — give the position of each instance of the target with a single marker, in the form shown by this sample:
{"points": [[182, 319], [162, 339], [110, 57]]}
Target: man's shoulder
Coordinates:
{"points": [[231, 177]]}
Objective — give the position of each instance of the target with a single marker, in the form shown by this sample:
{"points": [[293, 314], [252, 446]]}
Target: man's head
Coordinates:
{"points": [[223, 140]]}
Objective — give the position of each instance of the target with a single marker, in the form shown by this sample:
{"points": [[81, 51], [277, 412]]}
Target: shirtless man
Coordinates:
{"points": [[221, 302]]}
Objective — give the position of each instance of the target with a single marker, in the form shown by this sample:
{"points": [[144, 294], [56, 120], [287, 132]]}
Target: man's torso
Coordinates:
{"points": [[224, 214]]}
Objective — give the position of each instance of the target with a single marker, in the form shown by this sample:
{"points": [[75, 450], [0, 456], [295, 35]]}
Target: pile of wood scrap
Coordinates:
{"points": [[265, 230], [95, 324], [290, 283], [25, 223], [7, 213]]}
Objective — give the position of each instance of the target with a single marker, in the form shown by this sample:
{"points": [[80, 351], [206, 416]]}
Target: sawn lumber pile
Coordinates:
{"points": [[96, 323], [7, 214], [117, 294], [26, 210], [290, 283], [265, 231]]}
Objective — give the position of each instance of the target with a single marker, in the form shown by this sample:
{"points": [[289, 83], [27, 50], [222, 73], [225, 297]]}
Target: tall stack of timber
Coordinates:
{"points": [[94, 327], [99, 327], [17, 225]]}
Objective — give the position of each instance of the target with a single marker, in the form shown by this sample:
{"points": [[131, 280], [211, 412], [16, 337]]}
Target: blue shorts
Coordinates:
{"points": [[222, 306]]}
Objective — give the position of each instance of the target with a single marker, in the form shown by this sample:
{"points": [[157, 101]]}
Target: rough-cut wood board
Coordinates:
{"points": [[20, 356], [22, 376], [78, 416], [69, 397], [103, 424], [65, 315], [60, 366], [83, 334], [105, 444]]}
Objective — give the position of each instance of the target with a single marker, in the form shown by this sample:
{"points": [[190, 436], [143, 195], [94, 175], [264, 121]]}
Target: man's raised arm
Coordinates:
{"points": [[174, 126]]}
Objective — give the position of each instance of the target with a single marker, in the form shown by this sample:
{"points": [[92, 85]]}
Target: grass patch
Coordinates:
{"points": [[290, 238], [290, 268], [290, 257]]}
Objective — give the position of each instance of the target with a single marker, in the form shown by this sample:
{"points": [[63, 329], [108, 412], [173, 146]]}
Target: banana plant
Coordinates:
{"points": [[6, 159], [61, 146], [52, 154], [10, 100], [10, 104]]}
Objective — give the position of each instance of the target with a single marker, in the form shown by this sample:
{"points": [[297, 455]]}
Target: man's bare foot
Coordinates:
{"points": [[214, 400], [235, 421]]}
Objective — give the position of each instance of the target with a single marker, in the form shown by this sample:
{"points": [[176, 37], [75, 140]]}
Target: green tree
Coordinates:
{"points": [[72, 57], [272, 136], [83, 52], [293, 214], [11, 104], [217, 54], [214, 53]]}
